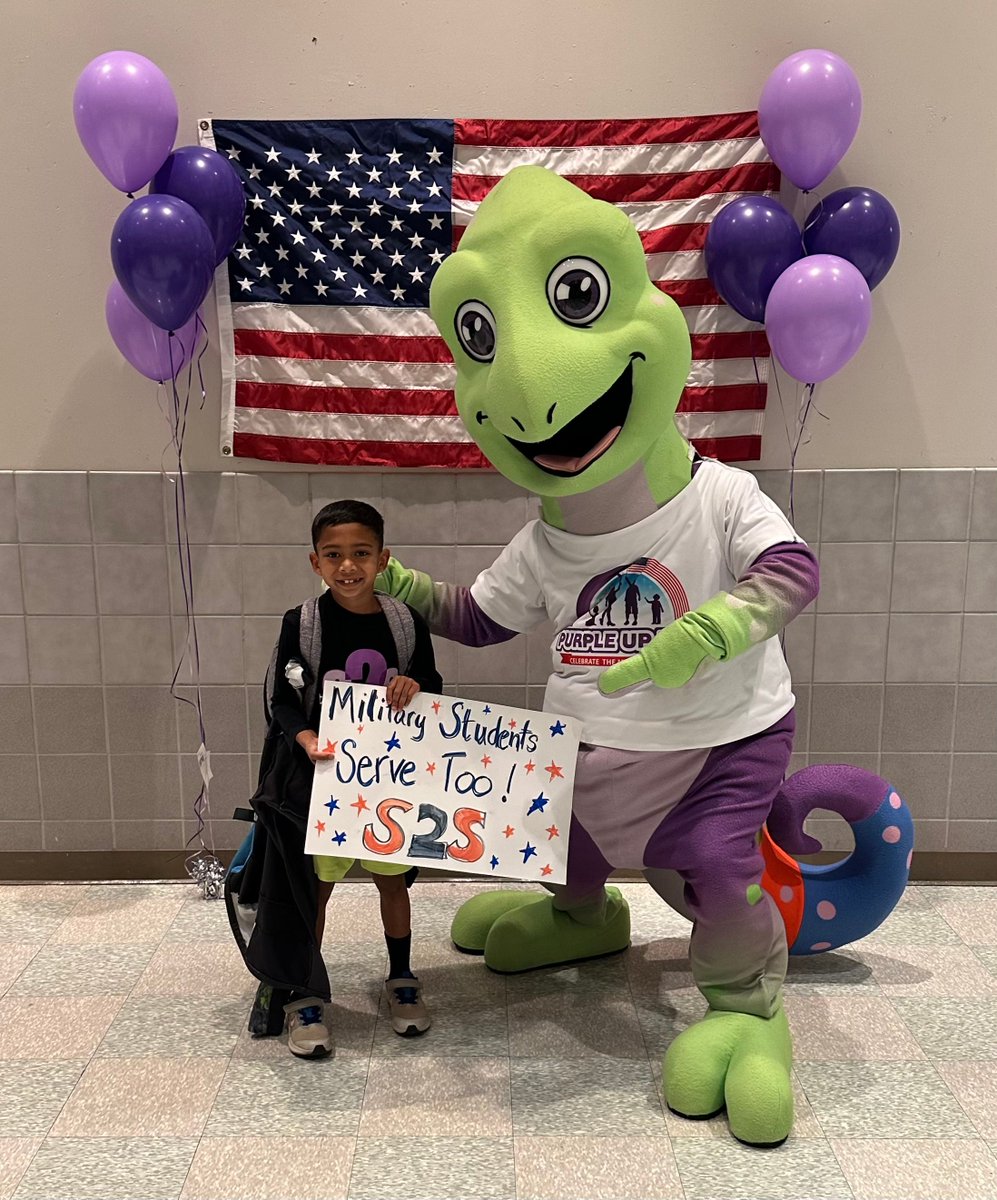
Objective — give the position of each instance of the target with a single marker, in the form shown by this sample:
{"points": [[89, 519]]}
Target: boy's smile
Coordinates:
{"points": [[348, 558]]}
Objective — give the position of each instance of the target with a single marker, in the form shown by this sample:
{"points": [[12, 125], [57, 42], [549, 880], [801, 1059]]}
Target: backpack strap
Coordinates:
{"points": [[399, 618], [310, 645]]}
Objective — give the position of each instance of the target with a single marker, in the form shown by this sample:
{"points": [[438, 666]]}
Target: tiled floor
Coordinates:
{"points": [[126, 1071]]}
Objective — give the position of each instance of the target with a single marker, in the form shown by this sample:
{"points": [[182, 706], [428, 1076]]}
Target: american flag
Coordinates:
{"points": [[329, 352]]}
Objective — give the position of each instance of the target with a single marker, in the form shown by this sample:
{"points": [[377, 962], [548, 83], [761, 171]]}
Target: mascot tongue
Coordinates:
{"points": [[571, 465]]}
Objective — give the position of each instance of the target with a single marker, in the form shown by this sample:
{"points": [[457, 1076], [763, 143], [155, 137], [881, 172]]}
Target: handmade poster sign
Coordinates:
{"points": [[448, 783]]}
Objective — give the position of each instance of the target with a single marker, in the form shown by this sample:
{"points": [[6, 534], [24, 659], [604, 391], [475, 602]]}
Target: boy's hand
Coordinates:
{"points": [[307, 739], [400, 691]]}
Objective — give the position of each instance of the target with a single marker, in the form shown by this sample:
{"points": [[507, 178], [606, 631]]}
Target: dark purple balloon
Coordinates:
{"points": [[750, 242], [164, 258], [859, 225], [211, 185]]}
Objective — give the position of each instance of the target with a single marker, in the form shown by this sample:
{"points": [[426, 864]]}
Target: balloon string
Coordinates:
{"points": [[201, 328], [178, 424]]}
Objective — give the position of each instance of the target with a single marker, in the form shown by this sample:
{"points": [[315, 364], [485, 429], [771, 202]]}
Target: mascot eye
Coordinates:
{"points": [[578, 290], [475, 328]]}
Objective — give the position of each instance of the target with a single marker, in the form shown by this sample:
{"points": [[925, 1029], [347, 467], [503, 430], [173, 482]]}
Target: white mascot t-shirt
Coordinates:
{"points": [[609, 594]]}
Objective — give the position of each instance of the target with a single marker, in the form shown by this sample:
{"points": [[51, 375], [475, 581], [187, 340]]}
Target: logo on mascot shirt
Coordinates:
{"points": [[619, 612]]}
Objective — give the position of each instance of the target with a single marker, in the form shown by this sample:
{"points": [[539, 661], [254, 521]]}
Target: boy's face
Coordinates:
{"points": [[349, 557]]}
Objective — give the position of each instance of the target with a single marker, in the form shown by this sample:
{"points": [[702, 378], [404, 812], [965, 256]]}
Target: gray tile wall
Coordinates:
{"points": [[895, 667]]}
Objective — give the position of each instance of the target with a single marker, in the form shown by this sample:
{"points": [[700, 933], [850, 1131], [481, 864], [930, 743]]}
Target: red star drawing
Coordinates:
{"points": [[508, 831], [320, 826], [530, 768], [359, 729], [431, 767], [359, 804], [552, 832], [547, 870], [554, 771], [486, 761], [436, 706], [330, 747], [512, 724]]}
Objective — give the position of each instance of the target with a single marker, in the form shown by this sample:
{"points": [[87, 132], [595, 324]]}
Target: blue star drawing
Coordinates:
{"points": [[339, 838], [486, 710], [393, 743], [495, 862], [527, 852], [332, 804], [556, 728], [538, 803]]}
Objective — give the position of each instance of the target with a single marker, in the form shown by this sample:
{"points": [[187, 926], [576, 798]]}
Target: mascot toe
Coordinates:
{"points": [[668, 578]]}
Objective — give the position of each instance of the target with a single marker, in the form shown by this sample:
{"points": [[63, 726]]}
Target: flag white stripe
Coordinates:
{"points": [[716, 318], [670, 158], [645, 215], [677, 264], [351, 373], [742, 423], [307, 372], [318, 318], [364, 427]]}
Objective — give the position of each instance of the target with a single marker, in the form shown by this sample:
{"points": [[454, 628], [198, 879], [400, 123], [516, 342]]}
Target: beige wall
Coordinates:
{"points": [[920, 393]]}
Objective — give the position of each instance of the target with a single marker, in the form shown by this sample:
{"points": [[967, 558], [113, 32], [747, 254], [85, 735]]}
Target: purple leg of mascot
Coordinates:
{"points": [[668, 578]]}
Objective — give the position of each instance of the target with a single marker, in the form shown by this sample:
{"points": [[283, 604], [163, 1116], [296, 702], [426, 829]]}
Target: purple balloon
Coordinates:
{"points": [[858, 224], [152, 351], [749, 244], [164, 258], [817, 316], [808, 115], [126, 116], [211, 185]]}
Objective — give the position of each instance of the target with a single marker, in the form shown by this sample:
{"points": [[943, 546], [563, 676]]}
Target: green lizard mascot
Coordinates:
{"points": [[668, 578]]}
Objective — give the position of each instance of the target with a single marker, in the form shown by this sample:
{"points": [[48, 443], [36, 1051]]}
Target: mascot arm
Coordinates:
{"points": [[778, 585], [449, 610]]}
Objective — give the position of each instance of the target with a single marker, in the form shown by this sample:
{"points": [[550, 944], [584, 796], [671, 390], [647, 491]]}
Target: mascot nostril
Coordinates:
{"points": [[668, 578]]}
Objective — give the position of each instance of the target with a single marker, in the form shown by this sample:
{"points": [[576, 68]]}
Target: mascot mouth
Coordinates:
{"points": [[589, 435]]}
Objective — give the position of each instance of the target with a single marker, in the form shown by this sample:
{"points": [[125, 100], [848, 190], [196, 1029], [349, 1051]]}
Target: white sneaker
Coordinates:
{"points": [[409, 1015], [307, 1035]]}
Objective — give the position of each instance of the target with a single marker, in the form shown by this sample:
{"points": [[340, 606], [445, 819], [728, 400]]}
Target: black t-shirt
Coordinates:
{"points": [[358, 646]]}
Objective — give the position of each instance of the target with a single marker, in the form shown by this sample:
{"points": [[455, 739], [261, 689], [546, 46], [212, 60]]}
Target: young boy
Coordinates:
{"points": [[358, 643]]}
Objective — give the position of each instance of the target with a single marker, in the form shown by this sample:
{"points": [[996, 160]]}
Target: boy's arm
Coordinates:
{"points": [[287, 707], [422, 668]]}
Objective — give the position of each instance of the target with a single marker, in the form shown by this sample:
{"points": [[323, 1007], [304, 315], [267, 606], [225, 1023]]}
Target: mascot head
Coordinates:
{"points": [[570, 362]]}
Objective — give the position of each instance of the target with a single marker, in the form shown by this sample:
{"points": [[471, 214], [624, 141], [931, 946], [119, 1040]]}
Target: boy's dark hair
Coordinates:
{"points": [[348, 512]]}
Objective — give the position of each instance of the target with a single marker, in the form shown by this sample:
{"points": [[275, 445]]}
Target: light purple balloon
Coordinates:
{"points": [[147, 347], [808, 115], [126, 116], [817, 316]]}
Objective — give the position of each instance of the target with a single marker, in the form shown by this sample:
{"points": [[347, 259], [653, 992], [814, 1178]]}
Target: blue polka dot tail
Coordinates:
{"points": [[826, 907]]}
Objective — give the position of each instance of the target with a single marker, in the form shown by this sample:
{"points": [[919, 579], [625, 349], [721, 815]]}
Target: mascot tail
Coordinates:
{"points": [[828, 906]]}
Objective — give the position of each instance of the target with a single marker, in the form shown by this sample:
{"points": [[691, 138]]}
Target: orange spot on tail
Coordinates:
{"points": [[783, 872]]}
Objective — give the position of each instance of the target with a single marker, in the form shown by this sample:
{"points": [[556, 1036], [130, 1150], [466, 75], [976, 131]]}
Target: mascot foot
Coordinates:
{"points": [[537, 934], [475, 918], [738, 1062]]}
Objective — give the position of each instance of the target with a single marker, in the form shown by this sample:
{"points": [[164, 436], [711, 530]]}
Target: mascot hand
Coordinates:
{"points": [[669, 660], [412, 587]]}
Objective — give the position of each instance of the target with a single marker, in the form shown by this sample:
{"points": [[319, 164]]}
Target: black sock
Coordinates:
{"points": [[399, 950]]}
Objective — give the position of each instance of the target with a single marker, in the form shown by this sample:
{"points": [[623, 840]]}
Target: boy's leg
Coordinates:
{"points": [[323, 895], [409, 1015]]}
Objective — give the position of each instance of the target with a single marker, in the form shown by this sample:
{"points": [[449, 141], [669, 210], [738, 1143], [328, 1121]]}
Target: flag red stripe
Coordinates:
{"points": [[341, 453], [641, 131], [276, 343], [632, 189], [745, 448], [689, 293], [738, 397], [291, 397], [675, 237], [730, 345]]}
